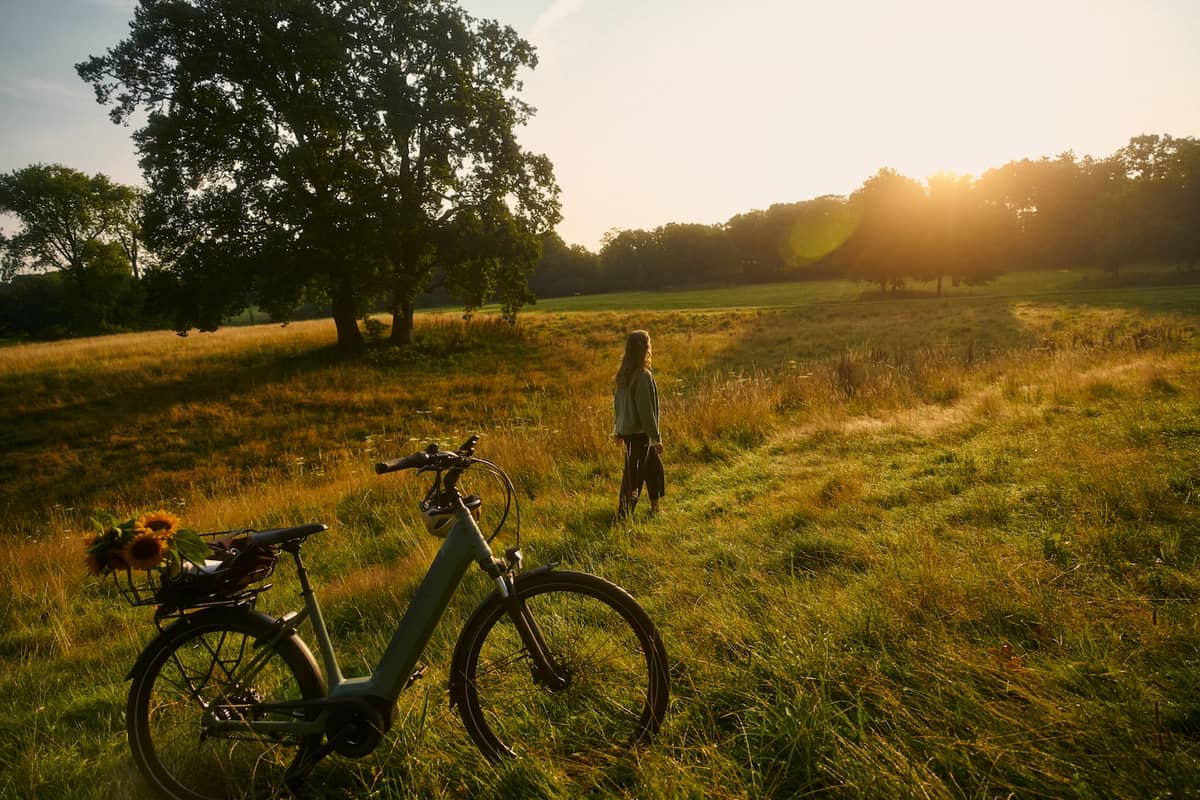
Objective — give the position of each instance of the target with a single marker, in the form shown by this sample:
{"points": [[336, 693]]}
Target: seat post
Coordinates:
{"points": [[312, 610], [293, 549]]}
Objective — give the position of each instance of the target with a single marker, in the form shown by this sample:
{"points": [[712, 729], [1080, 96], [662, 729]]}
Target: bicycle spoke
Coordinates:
{"points": [[191, 709], [615, 690]]}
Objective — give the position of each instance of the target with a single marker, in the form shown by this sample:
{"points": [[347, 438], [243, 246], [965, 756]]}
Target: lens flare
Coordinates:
{"points": [[819, 231]]}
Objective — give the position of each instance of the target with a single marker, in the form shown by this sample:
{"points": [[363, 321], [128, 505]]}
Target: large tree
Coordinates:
{"points": [[330, 150], [1153, 190], [67, 219], [790, 238], [627, 258], [566, 269], [964, 232], [891, 242], [690, 253], [462, 200]]}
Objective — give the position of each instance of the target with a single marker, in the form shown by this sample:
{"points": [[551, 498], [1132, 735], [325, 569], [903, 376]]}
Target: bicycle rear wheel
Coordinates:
{"points": [[190, 674], [614, 687]]}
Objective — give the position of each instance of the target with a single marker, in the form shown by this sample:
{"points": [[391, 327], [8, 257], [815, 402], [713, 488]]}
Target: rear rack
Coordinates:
{"points": [[226, 577]]}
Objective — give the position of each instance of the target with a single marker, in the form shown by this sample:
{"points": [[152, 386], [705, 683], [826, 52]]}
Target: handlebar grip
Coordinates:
{"points": [[396, 464]]}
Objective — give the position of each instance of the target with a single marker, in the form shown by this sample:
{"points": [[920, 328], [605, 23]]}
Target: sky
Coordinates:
{"points": [[658, 111]]}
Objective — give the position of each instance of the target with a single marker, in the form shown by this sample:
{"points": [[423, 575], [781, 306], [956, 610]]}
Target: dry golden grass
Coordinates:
{"points": [[943, 549]]}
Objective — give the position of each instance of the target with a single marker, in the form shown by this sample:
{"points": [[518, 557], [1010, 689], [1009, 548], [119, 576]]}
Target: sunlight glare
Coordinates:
{"points": [[814, 236]]}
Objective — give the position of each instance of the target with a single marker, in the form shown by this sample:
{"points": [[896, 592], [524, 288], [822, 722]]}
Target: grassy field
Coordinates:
{"points": [[917, 547]]}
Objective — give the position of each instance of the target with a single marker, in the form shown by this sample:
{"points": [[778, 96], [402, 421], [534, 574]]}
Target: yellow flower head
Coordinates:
{"points": [[145, 550], [98, 555], [162, 524], [96, 562]]}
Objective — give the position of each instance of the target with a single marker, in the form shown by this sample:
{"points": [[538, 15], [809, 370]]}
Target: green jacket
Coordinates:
{"points": [[635, 408]]}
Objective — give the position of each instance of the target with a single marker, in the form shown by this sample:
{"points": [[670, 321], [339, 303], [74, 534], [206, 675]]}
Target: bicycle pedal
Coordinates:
{"points": [[418, 673]]}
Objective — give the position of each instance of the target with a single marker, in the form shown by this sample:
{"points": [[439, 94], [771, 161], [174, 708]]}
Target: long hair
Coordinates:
{"points": [[636, 358]]}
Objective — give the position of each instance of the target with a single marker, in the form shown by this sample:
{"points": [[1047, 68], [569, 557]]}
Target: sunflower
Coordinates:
{"points": [[162, 524], [145, 551], [97, 562], [104, 551]]}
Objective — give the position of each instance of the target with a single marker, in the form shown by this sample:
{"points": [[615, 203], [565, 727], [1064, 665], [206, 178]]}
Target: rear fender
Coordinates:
{"points": [[180, 628]]}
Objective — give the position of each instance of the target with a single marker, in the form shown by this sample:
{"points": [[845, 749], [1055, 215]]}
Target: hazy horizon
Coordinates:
{"points": [[678, 111]]}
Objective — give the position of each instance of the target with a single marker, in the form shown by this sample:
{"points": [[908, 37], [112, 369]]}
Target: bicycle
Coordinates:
{"points": [[228, 701]]}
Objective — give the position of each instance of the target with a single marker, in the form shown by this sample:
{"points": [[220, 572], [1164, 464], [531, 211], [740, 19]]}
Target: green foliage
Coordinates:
{"points": [[151, 542], [69, 221], [1135, 207], [54, 306], [564, 270], [82, 232], [322, 151]]}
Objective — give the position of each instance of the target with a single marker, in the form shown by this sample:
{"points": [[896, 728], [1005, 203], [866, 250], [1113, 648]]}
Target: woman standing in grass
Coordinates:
{"points": [[635, 405]]}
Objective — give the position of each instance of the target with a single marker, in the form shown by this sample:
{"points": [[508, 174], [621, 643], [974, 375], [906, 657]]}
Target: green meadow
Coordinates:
{"points": [[913, 546]]}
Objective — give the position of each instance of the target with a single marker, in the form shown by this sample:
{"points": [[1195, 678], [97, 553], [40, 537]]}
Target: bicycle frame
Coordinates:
{"points": [[463, 545], [250, 698]]}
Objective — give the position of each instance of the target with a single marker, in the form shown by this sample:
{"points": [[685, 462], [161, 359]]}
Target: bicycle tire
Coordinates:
{"points": [[614, 659], [180, 675]]}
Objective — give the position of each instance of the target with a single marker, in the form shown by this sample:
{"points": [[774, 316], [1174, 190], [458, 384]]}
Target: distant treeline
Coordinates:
{"points": [[1140, 205]]}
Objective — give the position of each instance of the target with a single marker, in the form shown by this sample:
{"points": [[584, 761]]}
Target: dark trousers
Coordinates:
{"points": [[643, 467]]}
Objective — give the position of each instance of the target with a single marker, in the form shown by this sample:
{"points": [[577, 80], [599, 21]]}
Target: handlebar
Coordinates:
{"points": [[448, 467], [432, 458], [397, 464]]}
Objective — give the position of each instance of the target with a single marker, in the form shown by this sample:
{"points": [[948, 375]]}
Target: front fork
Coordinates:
{"points": [[546, 672]]}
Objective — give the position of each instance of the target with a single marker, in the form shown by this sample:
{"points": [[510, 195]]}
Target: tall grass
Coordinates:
{"points": [[912, 548]]}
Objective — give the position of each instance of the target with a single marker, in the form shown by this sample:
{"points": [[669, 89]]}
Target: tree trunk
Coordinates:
{"points": [[133, 257], [402, 323], [345, 317], [939, 294]]}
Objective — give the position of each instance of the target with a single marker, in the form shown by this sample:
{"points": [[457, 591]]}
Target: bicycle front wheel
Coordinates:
{"points": [[219, 666], [609, 687]]}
